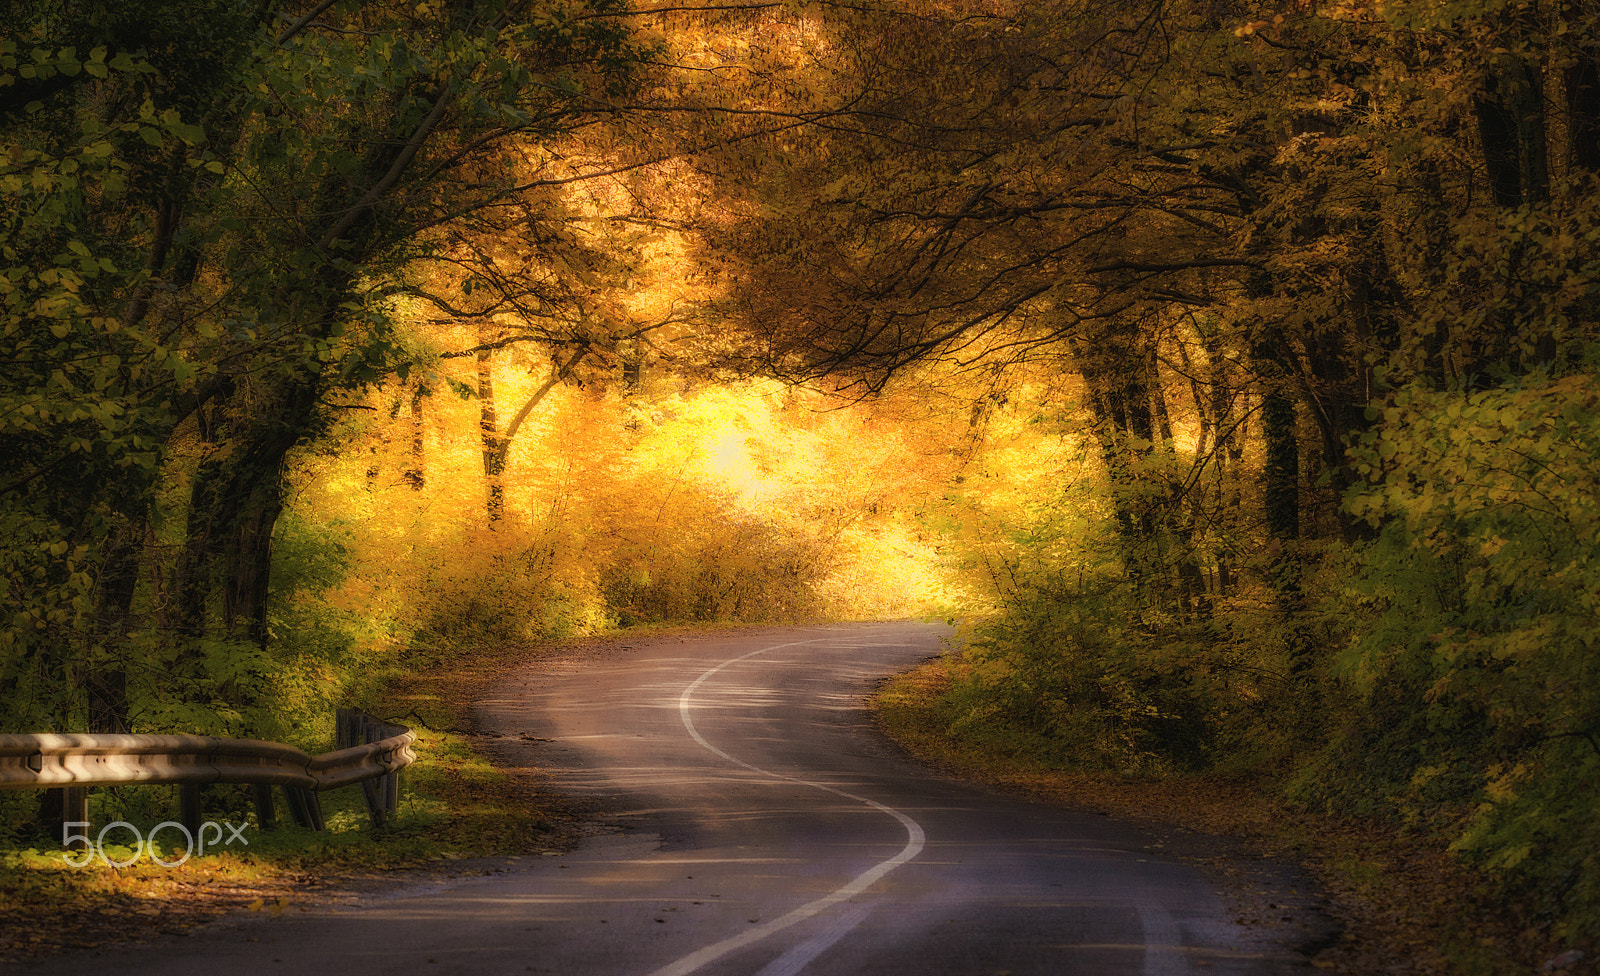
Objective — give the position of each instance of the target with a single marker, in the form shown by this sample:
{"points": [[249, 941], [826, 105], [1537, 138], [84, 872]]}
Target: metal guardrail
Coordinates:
{"points": [[372, 753]]}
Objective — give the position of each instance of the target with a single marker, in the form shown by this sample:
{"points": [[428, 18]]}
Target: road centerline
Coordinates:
{"points": [[915, 840]]}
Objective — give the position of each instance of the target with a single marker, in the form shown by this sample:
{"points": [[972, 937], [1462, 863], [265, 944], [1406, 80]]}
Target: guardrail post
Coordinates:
{"points": [[75, 810], [377, 804], [372, 792], [391, 782], [189, 807], [347, 728], [297, 807], [314, 807], [354, 727], [266, 815], [305, 807]]}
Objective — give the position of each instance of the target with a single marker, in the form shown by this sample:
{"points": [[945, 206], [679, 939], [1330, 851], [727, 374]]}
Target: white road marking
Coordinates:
{"points": [[799, 956], [796, 959]]}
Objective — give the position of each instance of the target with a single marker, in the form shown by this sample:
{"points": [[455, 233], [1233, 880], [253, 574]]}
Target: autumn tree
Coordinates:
{"points": [[227, 197]]}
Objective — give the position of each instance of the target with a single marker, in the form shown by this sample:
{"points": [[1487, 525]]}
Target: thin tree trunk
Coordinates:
{"points": [[1282, 473], [1281, 487], [415, 473], [497, 445], [1583, 113], [492, 443], [1124, 393]]}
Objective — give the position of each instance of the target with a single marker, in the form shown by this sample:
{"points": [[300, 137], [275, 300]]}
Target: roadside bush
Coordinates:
{"points": [[1062, 675], [1478, 647]]}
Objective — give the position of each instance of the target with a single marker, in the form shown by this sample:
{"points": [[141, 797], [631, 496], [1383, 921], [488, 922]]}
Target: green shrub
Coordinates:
{"points": [[1479, 656]]}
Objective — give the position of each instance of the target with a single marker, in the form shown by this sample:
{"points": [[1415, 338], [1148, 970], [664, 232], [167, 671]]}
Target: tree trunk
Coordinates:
{"points": [[1230, 450], [192, 586], [1281, 489], [1127, 400], [107, 681], [415, 474], [492, 442], [1125, 428], [1583, 113], [1511, 125], [234, 507], [1281, 477]]}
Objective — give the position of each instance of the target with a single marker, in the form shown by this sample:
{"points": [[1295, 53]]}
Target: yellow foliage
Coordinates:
{"points": [[754, 501]]}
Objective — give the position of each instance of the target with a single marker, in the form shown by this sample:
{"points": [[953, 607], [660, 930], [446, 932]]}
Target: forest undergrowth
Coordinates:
{"points": [[1401, 905]]}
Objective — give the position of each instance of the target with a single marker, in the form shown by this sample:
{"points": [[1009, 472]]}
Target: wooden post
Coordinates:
{"points": [[297, 807], [372, 792], [305, 807], [354, 727], [314, 807], [266, 815], [75, 810], [189, 807]]}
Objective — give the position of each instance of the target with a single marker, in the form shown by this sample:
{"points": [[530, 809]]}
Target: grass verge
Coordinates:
{"points": [[455, 807]]}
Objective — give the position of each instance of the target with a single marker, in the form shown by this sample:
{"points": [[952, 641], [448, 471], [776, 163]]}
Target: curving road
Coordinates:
{"points": [[768, 832]]}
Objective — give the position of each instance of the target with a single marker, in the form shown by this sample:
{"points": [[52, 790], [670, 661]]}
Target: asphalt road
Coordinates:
{"points": [[768, 831]]}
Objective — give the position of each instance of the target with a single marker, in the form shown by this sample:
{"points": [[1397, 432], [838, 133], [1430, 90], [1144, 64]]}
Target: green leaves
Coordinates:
{"points": [[1486, 574], [197, 231], [45, 64]]}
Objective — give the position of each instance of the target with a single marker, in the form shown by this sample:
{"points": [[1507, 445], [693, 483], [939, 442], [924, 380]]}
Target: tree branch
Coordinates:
{"points": [[401, 163], [300, 25]]}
